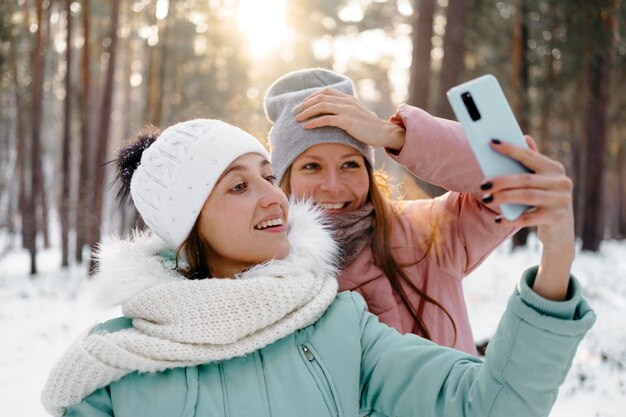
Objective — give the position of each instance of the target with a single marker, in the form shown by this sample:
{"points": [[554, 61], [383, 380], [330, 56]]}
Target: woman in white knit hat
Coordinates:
{"points": [[406, 258], [247, 321]]}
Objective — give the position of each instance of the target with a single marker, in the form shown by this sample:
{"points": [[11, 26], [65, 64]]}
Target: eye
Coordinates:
{"points": [[271, 179], [239, 187], [351, 164], [311, 166]]}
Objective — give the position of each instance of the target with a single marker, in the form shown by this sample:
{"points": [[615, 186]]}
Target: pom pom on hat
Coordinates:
{"points": [[287, 138], [179, 170], [129, 158]]}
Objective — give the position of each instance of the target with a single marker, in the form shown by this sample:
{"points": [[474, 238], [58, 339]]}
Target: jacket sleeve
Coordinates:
{"points": [[437, 151], [97, 404], [526, 362]]}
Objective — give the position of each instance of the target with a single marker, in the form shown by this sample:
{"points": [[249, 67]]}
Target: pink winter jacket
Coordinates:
{"points": [[436, 151]]}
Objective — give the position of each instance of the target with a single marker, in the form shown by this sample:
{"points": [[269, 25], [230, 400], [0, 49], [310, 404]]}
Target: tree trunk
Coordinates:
{"points": [[621, 192], [84, 153], [420, 65], [453, 53], [27, 230], [451, 66], [37, 99], [548, 89], [43, 203], [520, 83], [41, 200], [64, 205], [103, 132], [156, 68], [595, 122]]}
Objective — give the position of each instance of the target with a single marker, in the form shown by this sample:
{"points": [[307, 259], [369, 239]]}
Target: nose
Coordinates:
{"points": [[271, 194], [331, 182]]}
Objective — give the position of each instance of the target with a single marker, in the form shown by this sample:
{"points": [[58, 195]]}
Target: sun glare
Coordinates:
{"points": [[263, 23]]}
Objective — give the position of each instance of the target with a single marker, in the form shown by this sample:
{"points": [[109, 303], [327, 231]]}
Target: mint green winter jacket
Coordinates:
{"points": [[349, 364]]}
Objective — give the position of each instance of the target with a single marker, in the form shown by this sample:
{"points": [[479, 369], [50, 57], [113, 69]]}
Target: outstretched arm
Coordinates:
{"points": [[526, 362], [549, 191], [431, 148]]}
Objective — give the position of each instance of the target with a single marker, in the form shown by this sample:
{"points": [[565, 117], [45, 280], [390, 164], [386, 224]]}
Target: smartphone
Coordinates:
{"points": [[484, 113]]}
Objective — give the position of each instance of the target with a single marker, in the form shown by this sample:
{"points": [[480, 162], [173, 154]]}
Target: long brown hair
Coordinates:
{"points": [[195, 250], [385, 212]]}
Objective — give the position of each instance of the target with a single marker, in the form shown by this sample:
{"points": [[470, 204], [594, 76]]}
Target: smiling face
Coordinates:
{"points": [[334, 175], [243, 221]]}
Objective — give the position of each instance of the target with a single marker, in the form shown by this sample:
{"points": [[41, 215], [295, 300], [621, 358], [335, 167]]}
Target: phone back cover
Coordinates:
{"points": [[497, 121]]}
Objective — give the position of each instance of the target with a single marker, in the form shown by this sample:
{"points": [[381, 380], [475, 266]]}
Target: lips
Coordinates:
{"points": [[269, 223]]}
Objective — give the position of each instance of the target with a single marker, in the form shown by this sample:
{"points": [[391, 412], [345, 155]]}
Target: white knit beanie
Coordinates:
{"points": [[179, 170], [287, 138]]}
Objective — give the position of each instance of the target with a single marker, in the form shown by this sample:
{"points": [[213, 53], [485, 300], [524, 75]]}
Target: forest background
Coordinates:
{"points": [[79, 78]]}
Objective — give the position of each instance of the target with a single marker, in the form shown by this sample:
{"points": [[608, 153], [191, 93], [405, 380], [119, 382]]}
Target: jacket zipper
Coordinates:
{"points": [[322, 379]]}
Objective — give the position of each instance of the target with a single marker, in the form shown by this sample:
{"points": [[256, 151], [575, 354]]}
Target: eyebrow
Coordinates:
{"points": [[236, 168], [347, 155]]}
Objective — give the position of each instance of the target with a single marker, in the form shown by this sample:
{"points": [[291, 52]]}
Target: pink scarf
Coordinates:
{"points": [[353, 231]]}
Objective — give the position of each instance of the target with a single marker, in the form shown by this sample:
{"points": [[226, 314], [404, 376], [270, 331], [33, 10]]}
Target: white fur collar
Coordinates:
{"points": [[127, 267]]}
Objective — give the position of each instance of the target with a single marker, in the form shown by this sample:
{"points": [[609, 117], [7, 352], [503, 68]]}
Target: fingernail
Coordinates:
{"points": [[298, 109], [486, 185], [487, 198], [496, 141], [498, 219]]}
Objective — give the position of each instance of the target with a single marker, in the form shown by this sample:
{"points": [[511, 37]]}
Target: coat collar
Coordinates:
{"points": [[128, 267]]}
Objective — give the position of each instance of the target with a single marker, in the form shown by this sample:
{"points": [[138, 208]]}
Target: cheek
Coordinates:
{"points": [[209, 230], [225, 234], [362, 187], [217, 221], [301, 185]]}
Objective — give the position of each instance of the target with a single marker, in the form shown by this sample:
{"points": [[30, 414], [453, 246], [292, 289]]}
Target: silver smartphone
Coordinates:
{"points": [[484, 113]]}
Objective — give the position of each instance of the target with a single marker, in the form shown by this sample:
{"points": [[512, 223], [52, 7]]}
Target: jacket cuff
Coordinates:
{"points": [[565, 310]]}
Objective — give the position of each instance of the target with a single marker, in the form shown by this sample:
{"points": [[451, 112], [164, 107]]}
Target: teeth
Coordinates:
{"points": [[331, 206], [268, 223]]}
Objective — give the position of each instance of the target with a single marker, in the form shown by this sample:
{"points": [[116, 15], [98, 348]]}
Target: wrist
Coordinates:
{"points": [[553, 275], [395, 136]]}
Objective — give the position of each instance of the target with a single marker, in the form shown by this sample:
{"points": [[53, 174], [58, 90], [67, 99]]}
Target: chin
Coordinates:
{"points": [[276, 253], [283, 251]]}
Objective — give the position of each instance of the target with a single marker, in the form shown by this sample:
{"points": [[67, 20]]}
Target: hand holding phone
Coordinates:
{"points": [[484, 113]]}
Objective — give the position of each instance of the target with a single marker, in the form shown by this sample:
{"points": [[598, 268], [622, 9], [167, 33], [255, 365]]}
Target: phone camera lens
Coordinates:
{"points": [[470, 105]]}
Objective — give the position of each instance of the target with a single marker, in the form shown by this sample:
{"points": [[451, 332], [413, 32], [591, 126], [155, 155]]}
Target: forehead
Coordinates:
{"points": [[247, 162], [330, 151]]}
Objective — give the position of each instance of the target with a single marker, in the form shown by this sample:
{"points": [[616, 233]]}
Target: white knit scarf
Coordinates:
{"points": [[179, 322]]}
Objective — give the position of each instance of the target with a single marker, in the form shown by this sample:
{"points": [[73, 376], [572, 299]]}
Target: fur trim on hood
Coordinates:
{"points": [[127, 267]]}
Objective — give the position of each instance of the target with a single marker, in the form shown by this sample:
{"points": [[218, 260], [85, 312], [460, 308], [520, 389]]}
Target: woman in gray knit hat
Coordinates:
{"points": [[407, 258]]}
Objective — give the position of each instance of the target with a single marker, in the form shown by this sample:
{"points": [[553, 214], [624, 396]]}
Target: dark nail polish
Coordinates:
{"points": [[488, 198], [486, 185], [498, 219], [496, 141]]}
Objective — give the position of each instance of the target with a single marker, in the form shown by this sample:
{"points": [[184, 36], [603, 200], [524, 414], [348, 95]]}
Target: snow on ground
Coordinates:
{"points": [[40, 317], [596, 384]]}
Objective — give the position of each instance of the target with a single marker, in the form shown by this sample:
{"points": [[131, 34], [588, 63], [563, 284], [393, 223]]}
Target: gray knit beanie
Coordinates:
{"points": [[287, 138]]}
